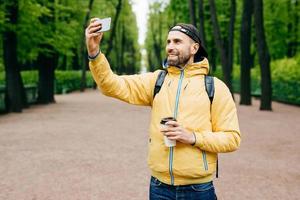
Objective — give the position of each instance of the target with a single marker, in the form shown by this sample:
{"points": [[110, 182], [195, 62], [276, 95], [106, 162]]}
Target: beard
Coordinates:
{"points": [[177, 59]]}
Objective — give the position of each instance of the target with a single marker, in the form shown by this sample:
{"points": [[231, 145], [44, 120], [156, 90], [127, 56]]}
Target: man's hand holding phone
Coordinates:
{"points": [[94, 34]]}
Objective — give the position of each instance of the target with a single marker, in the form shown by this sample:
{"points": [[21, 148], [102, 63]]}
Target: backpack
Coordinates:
{"points": [[209, 87]]}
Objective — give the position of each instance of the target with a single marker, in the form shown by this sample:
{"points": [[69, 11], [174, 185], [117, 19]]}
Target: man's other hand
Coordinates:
{"points": [[177, 132]]}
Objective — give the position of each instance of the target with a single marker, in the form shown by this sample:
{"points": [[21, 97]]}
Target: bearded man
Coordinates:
{"points": [[200, 129]]}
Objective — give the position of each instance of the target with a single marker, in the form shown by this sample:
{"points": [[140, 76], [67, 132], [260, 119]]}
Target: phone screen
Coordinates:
{"points": [[105, 24]]}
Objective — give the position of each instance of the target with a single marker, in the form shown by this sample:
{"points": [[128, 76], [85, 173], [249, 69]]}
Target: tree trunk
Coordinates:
{"points": [[75, 59], [156, 45], [292, 26], [47, 64], [150, 61], [264, 57], [220, 45], [15, 90], [231, 38], [192, 12], [201, 23], [82, 48], [245, 46], [114, 26], [212, 56], [123, 45]]}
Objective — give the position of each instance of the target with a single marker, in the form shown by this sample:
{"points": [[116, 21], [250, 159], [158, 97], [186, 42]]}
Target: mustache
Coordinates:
{"points": [[173, 52]]}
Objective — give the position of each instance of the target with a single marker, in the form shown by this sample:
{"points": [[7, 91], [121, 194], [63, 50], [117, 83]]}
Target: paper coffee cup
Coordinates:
{"points": [[168, 142]]}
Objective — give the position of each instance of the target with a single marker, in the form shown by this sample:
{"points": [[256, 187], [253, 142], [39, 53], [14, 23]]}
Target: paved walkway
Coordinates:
{"points": [[88, 147]]}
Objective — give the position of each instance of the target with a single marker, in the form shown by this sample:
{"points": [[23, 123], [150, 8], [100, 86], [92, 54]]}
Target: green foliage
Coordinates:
{"points": [[280, 22], [2, 78], [285, 75], [57, 26], [158, 26], [286, 80], [1, 66], [125, 57], [29, 77], [178, 12], [65, 81], [35, 32]]}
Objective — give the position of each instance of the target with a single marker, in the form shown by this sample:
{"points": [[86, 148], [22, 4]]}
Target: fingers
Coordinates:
{"points": [[96, 34], [94, 22], [171, 133], [174, 135], [95, 29], [173, 123], [94, 19], [171, 129], [94, 26]]}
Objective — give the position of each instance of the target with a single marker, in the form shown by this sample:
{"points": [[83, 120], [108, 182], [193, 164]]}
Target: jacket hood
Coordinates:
{"points": [[197, 68]]}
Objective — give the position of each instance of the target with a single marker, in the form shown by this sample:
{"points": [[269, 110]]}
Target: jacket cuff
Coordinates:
{"points": [[99, 59], [199, 139], [95, 56]]}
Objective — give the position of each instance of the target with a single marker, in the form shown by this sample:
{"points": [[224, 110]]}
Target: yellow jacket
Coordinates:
{"points": [[182, 96]]}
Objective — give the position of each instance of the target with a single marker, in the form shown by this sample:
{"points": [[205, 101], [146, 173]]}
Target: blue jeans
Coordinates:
{"points": [[162, 191]]}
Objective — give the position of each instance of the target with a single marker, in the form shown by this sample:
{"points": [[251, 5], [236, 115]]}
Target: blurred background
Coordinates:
{"points": [[253, 45]]}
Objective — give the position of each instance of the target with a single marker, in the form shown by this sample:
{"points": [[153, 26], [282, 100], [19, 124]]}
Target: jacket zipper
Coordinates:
{"points": [[204, 160], [175, 116]]}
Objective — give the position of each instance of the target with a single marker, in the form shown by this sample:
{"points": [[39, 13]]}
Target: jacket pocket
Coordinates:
{"points": [[190, 162]]}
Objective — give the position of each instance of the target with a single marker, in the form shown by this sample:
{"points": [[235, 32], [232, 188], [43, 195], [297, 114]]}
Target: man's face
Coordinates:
{"points": [[178, 48]]}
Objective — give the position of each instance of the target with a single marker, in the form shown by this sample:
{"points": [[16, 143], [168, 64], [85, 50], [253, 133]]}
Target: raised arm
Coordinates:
{"points": [[134, 89]]}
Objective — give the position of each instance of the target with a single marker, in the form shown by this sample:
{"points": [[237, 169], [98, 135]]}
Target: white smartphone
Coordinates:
{"points": [[105, 24]]}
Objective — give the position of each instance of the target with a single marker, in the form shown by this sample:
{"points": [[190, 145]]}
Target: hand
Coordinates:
{"points": [[175, 132], [93, 38]]}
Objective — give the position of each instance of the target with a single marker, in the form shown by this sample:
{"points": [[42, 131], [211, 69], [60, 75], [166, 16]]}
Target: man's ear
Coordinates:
{"points": [[194, 48]]}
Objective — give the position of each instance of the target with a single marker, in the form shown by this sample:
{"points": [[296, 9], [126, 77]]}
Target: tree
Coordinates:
{"points": [[292, 27], [264, 57], [245, 47], [15, 94], [47, 60], [201, 23], [226, 54], [154, 40], [192, 12], [114, 26], [82, 46]]}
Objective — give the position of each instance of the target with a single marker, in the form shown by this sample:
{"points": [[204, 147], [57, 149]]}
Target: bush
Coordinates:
{"points": [[286, 80], [30, 77], [285, 75], [66, 81]]}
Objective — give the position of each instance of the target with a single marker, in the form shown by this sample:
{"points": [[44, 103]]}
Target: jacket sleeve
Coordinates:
{"points": [[225, 135], [133, 89]]}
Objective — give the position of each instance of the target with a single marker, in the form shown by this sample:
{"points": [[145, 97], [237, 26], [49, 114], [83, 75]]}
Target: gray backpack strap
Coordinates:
{"points": [[210, 87], [210, 90], [159, 81]]}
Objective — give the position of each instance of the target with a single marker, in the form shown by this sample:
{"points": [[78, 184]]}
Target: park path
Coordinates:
{"points": [[91, 147]]}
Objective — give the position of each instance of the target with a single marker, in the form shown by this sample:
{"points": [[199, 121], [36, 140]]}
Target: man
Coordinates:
{"points": [[202, 129]]}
